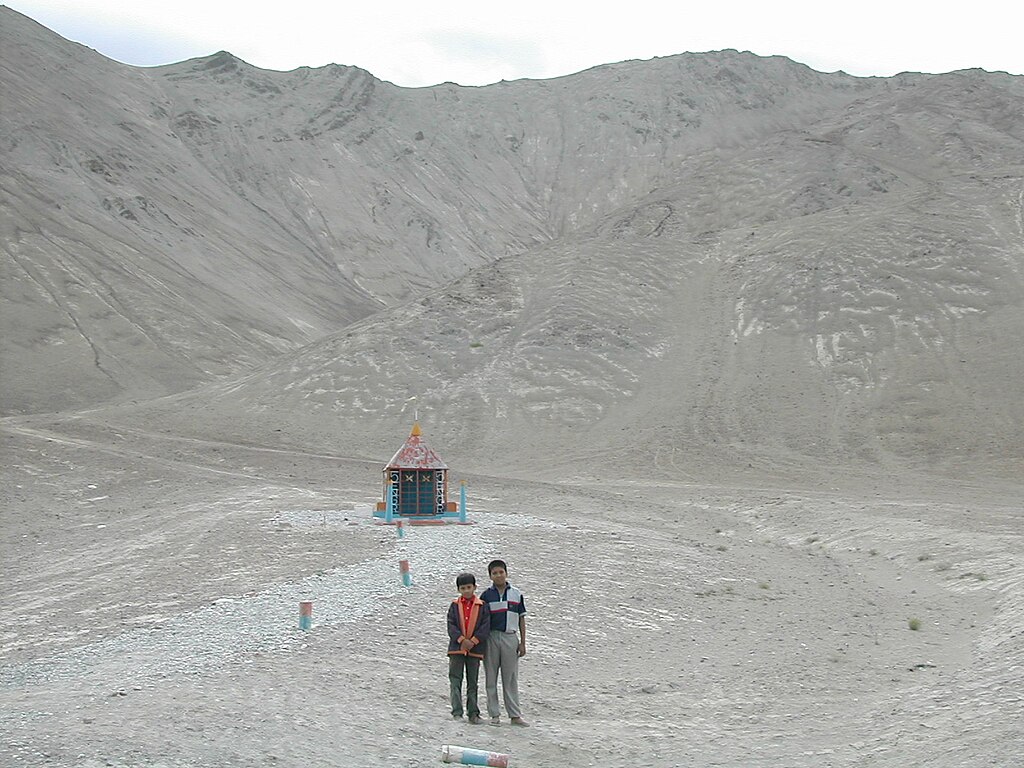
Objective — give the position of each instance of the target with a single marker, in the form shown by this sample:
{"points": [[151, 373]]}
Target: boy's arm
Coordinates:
{"points": [[483, 624], [521, 650], [454, 632]]}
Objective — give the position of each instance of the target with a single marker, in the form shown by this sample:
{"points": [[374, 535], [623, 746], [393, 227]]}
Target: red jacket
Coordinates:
{"points": [[477, 629]]}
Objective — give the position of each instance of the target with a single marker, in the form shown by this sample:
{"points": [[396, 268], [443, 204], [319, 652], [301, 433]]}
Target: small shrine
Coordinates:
{"points": [[416, 486]]}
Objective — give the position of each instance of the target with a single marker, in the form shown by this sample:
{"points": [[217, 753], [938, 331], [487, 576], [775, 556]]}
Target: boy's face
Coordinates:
{"points": [[498, 576], [467, 590]]}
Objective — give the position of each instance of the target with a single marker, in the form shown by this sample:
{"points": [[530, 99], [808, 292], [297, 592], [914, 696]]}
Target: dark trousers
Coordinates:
{"points": [[459, 665]]}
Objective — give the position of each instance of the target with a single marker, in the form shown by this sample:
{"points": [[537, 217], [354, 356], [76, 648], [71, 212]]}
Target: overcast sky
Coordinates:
{"points": [[475, 43]]}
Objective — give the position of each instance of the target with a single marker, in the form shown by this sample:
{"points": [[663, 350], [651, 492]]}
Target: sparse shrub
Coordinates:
{"points": [[764, 585], [914, 624], [872, 551], [727, 590], [475, 344], [811, 539], [942, 566], [922, 558], [721, 547]]}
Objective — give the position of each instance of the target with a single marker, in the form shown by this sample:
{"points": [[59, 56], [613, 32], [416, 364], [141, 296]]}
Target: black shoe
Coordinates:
{"points": [[456, 716], [475, 720]]}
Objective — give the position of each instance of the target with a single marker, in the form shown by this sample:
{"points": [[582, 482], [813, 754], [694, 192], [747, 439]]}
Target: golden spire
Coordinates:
{"points": [[416, 431]]}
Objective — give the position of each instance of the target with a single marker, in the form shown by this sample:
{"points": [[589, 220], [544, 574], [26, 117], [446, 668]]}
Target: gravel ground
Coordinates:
{"points": [[669, 624]]}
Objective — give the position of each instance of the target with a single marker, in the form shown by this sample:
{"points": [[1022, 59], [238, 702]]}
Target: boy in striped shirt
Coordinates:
{"points": [[506, 643]]}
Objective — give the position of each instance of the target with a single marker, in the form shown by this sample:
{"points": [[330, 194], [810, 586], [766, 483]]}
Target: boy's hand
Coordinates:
{"points": [[521, 650], [467, 644]]}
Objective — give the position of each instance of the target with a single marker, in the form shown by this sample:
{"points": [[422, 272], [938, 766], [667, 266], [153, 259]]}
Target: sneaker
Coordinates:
{"points": [[520, 722], [475, 720], [495, 721]]}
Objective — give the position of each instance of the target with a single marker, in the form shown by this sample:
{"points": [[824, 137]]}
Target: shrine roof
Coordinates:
{"points": [[416, 454]]}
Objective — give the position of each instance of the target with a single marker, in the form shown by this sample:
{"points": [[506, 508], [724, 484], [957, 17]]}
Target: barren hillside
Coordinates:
{"points": [[848, 291], [163, 227], [712, 254]]}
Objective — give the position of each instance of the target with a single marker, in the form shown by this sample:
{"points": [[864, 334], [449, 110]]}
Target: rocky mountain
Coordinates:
{"points": [[647, 265]]}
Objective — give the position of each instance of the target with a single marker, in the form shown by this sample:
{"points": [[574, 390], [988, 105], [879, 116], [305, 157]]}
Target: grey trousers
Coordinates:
{"points": [[501, 655], [457, 665]]}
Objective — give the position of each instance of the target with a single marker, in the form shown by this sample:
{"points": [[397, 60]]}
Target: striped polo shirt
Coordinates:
{"points": [[501, 605]]}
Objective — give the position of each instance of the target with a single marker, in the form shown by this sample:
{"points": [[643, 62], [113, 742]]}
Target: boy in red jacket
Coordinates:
{"points": [[469, 622]]}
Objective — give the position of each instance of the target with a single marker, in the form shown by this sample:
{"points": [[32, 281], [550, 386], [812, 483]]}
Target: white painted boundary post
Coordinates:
{"points": [[452, 754], [306, 614]]}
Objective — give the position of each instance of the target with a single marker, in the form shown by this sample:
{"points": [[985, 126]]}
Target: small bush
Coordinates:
{"points": [[914, 624]]}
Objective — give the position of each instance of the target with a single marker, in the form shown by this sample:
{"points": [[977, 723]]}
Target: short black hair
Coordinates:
{"points": [[496, 564], [465, 578]]}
